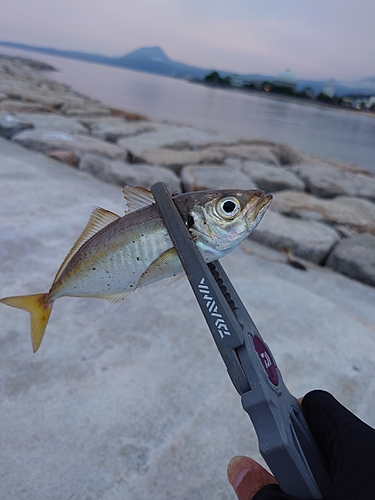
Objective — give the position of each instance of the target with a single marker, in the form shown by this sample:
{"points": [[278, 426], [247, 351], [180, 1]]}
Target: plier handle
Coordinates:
{"points": [[285, 440]]}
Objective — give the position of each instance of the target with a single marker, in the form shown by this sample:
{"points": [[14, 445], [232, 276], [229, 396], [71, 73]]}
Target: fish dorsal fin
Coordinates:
{"points": [[99, 219], [136, 198], [166, 265]]}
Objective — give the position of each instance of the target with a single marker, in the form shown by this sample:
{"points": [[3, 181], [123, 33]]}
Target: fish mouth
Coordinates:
{"points": [[264, 200], [255, 213]]}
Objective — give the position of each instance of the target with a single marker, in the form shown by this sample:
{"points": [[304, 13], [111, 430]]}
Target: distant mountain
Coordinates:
{"points": [[154, 60], [149, 59]]}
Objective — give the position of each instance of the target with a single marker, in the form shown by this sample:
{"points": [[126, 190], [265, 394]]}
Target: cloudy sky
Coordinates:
{"points": [[313, 38]]}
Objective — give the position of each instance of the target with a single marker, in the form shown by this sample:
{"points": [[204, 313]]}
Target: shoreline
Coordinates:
{"points": [[286, 98]]}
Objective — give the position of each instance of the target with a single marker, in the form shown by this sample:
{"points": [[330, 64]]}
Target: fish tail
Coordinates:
{"points": [[39, 308]]}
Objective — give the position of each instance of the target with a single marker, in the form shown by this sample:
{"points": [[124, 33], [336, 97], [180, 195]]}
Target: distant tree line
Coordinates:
{"points": [[214, 78]]}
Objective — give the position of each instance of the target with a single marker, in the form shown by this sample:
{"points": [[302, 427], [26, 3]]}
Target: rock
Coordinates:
{"points": [[14, 89], [271, 178], [287, 155], [307, 239], [234, 163], [48, 99], [175, 159], [10, 125], [328, 182], [197, 177], [251, 152], [112, 129], [120, 173], [126, 115], [47, 141], [13, 106], [166, 135], [68, 157], [53, 122], [355, 257], [356, 213], [82, 109]]}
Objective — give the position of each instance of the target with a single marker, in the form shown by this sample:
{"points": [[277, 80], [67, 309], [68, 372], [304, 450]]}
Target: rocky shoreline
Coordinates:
{"points": [[323, 211]]}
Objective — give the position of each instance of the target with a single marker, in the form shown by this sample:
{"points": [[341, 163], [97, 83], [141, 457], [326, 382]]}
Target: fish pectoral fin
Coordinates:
{"points": [[116, 299], [39, 308], [100, 218], [167, 265], [137, 198]]}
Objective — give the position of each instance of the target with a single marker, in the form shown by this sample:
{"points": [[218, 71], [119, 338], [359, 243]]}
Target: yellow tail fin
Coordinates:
{"points": [[40, 311]]}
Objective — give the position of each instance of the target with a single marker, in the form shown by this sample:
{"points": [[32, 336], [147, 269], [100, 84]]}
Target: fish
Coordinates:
{"points": [[114, 256]]}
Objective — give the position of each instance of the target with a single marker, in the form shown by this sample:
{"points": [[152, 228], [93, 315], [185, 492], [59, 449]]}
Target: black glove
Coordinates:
{"points": [[348, 445]]}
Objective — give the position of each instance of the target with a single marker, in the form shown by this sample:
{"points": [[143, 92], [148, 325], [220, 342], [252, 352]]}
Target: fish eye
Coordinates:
{"points": [[228, 207]]}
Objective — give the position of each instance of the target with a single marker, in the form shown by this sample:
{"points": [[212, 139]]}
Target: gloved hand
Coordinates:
{"points": [[347, 443]]}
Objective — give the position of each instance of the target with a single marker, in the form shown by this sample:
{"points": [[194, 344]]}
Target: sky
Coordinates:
{"points": [[319, 39]]}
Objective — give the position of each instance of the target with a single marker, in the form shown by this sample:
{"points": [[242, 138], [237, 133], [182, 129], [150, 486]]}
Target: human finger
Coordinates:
{"points": [[247, 477]]}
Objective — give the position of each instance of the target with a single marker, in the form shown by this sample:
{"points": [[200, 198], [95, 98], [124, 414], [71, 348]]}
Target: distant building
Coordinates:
{"points": [[371, 103], [236, 81], [285, 79], [329, 89]]}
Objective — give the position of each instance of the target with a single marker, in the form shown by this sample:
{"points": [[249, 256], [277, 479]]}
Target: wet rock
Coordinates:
{"points": [[120, 173], [328, 182], [355, 257], [200, 177], [271, 178], [46, 141], [356, 213], [307, 239], [175, 159], [112, 129], [10, 125]]}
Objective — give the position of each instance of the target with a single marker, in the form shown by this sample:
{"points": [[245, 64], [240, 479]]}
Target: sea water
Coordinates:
{"points": [[329, 132]]}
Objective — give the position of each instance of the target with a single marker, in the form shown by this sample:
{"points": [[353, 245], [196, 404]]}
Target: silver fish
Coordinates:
{"points": [[116, 255]]}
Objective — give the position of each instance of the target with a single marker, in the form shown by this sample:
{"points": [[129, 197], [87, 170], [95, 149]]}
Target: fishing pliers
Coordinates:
{"points": [[285, 440]]}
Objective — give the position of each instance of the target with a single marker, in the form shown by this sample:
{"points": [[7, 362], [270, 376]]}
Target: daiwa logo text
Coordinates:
{"points": [[212, 309]]}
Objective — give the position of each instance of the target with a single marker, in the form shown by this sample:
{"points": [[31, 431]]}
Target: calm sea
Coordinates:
{"points": [[332, 133]]}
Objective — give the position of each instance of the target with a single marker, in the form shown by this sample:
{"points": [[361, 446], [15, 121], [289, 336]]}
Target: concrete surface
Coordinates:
{"points": [[136, 403]]}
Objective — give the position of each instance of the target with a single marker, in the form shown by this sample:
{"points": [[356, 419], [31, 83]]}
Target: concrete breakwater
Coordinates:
{"points": [[323, 212]]}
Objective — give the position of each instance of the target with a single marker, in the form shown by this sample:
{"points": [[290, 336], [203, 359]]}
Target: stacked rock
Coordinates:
{"points": [[323, 211]]}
